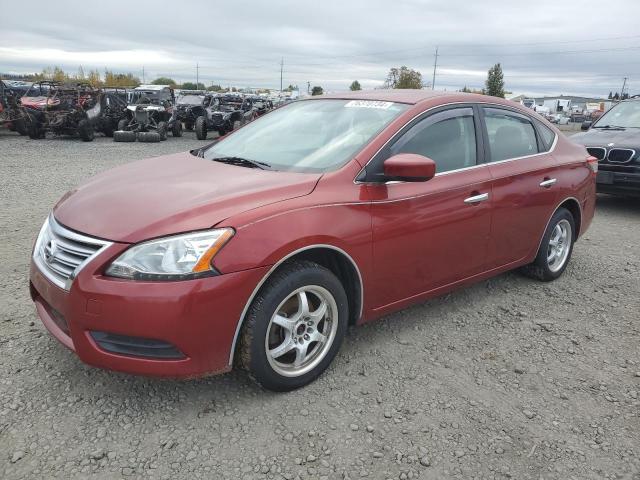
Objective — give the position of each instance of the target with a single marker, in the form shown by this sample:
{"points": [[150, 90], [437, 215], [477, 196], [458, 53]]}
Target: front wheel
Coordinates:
{"points": [[201, 128], [176, 129], [555, 249], [162, 130], [294, 327]]}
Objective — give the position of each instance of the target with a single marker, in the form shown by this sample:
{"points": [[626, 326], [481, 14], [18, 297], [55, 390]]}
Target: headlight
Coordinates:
{"points": [[178, 257]]}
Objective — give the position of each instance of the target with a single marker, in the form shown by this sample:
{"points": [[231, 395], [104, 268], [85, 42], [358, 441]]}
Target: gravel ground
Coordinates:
{"points": [[506, 379]]}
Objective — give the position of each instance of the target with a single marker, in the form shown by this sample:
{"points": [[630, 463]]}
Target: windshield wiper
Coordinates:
{"points": [[610, 127], [244, 162]]}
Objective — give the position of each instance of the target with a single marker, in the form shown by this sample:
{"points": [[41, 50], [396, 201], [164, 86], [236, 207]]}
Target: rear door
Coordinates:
{"points": [[524, 182], [430, 234]]}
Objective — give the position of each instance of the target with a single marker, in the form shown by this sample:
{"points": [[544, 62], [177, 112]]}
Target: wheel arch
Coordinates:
{"points": [[573, 206], [329, 256]]}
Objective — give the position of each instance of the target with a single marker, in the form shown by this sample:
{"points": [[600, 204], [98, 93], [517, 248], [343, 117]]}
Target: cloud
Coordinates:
{"points": [[552, 47]]}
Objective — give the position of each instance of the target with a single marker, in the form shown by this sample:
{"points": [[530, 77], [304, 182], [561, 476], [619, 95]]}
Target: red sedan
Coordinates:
{"points": [[260, 249]]}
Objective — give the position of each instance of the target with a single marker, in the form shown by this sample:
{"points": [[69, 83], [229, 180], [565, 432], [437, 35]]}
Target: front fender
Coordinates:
{"points": [[267, 241]]}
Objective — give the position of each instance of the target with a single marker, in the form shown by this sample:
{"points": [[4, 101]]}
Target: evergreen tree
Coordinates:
{"points": [[495, 81]]}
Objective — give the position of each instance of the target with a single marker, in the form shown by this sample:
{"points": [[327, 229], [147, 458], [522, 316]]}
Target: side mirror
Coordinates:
{"points": [[586, 125], [409, 167]]}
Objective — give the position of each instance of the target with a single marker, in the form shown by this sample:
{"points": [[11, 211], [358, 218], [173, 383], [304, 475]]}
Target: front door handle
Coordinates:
{"points": [[548, 182], [477, 198]]}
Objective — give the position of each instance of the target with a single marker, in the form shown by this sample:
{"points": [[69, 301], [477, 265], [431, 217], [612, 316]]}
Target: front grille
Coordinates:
{"points": [[597, 152], [136, 346], [60, 253], [620, 155]]}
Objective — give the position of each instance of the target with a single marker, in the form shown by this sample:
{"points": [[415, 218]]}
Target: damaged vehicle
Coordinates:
{"points": [[149, 115], [227, 113], [12, 114], [113, 108], [191, 104], [62, 109]]}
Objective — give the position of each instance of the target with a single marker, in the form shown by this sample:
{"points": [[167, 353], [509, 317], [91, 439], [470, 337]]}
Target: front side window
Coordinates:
{"points": [[448, 138], [510, 135], [310, 135]]}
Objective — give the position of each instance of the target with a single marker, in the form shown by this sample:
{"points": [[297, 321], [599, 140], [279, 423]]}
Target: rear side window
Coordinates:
{"points": [[510, 135], [547, 136], [448, 138]]}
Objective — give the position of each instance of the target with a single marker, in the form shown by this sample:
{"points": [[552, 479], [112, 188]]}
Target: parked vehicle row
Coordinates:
{"points": [[146, 113]]}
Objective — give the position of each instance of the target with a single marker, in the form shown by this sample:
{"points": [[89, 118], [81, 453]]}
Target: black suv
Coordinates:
{"points": [[614, 139]]}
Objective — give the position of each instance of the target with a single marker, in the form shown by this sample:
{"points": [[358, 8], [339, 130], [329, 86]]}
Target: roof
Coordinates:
{"points": [[390, 95], [152, 87]]}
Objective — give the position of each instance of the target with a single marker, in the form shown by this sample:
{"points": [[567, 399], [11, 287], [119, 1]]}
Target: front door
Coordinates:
{"points": [[430, 234]]}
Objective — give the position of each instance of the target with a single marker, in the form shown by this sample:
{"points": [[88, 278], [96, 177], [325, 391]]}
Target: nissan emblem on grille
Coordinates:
{"points": [[50, 251]]}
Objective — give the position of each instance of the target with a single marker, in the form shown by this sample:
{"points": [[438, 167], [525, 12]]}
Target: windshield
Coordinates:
{"points": [[145, 96], [309, 136], [625, 114], [190, 99]]}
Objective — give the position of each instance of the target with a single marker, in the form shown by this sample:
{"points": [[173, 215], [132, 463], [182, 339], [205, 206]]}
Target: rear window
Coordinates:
{"points": [[511, 135]]}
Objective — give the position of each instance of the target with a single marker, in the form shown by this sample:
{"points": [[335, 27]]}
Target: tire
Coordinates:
{"points": [[108, 131], [201, 128], [161, 129], [555, 249], [35, 131], [85, 130], [149, 137], [282, 293], [122, 124], [124, 136], [20, 127], [222, 132], [176, 130]]}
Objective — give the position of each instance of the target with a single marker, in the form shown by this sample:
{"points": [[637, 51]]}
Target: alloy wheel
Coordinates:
{"points": [[301, 331]]}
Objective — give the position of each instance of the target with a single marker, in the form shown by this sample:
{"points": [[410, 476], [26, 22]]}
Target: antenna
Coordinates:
{"points": [[435, 66]]}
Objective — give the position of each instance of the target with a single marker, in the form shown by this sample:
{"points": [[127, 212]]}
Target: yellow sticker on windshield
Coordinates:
{"points": [[368, 104]]}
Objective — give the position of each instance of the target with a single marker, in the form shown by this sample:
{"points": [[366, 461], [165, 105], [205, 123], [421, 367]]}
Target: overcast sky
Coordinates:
{"points": [[545, 46]]}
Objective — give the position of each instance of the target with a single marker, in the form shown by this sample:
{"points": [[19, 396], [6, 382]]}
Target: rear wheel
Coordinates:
{"points": [[162, 130], [201, 128], [294, 327], [85, 130], [176, 130], [555, 249], [35, 131], [20, 127], [122, 124]]}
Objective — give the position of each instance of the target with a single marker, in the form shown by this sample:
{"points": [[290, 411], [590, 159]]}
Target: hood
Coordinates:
{"points": [[172, 194], [602, 137]]}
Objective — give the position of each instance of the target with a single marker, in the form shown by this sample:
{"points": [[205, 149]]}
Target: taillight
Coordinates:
{"points": [[592, 163]]}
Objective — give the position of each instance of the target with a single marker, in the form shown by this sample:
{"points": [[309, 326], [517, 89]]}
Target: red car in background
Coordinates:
{"points": [[260, 249]]}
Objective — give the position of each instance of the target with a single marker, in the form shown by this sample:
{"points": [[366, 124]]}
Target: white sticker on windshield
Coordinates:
{"points": [[368, 104]]}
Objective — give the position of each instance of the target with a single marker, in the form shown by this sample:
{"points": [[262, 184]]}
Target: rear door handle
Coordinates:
{"points": [[477, 198], [548, 182]]}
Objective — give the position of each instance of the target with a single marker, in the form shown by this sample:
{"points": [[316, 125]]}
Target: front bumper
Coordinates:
{"points": [[196, 317], [622, 183]]}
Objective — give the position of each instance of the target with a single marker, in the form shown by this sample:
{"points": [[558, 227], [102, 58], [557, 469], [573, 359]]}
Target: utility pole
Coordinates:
{"points": [[435, 66], [143, 82], [281, 70], [624, 85], [197, 75], [308, 87]]}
